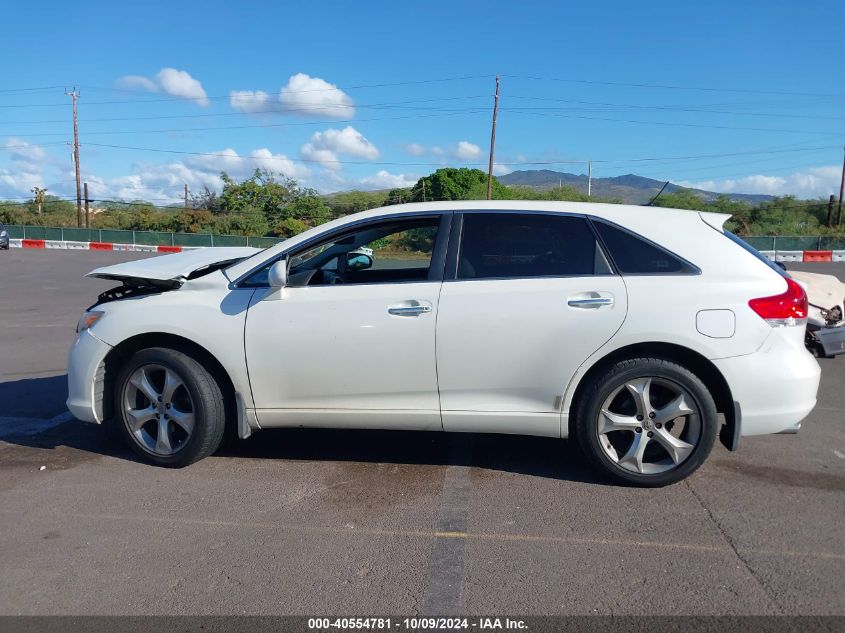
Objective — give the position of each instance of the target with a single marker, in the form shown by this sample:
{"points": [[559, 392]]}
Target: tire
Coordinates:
{"points": [[625, 427], [148, 400]]}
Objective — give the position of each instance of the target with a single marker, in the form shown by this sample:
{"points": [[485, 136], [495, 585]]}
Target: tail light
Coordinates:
{"points": [[789, 308]]}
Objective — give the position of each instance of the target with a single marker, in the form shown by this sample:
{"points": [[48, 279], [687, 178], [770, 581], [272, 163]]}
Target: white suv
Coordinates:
{"points": [[631, 328]]}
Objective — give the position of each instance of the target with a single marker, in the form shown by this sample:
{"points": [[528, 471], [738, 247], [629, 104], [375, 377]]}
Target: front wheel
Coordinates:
{"points": [[647, 422], [168, 407]]}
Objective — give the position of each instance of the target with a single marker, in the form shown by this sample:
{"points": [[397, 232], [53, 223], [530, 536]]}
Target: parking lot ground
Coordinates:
{"points": [[368, 522]]}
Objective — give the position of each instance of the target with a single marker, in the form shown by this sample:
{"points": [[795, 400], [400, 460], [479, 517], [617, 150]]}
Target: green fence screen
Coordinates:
{"points": [[163, 238], [150, 238]]}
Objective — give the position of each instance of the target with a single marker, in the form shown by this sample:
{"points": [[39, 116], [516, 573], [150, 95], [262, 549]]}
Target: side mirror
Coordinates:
{"points": [[358, 261], [277, 276]]}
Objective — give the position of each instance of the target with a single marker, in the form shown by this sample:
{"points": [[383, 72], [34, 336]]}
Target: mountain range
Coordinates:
{"points": [[630, 188]]}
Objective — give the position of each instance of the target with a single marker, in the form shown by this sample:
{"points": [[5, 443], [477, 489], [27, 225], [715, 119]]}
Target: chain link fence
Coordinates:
{"points": [[797, 242], [148, 238]]}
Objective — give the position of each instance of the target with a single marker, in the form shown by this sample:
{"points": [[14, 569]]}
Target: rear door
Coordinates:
{"points": [[527, 298]]}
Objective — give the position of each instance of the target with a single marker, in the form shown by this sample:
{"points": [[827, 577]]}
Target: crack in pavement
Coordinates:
{"points": [[769, 595]]}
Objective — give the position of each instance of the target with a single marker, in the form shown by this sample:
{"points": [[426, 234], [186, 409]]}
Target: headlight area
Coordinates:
{"points": [[88, 319]]}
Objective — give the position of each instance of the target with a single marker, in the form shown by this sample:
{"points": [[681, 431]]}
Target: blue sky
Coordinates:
{"points": [[730, 96]]}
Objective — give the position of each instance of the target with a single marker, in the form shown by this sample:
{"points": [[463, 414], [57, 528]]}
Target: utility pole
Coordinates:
{"points": [[590, 179], [186, 197], [841, 191], [87, 214], [75, 95], [829, 222], [493, 142]]}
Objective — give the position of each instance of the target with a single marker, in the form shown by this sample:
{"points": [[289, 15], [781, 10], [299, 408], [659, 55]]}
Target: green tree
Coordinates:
{"points": [[261, 195], [309, 209], [452, 183], [398, 196], [355, 201]]}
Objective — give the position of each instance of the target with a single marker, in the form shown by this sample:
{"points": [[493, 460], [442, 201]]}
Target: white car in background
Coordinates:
{"points": [[826, 315], [630, 328]]}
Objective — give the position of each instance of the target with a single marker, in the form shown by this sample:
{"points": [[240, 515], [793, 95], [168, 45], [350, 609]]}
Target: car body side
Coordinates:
{"points": [[770, 377]]}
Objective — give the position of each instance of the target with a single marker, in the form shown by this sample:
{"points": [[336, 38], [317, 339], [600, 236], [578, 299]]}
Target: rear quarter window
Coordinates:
{"points": [[635, 255]]}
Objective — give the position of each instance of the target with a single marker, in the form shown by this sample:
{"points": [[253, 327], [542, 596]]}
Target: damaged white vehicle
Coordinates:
{"points": [[630, 329], [826, 314]]}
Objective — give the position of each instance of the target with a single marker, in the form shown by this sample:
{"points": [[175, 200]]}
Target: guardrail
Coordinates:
{"points": [[146, 238]]}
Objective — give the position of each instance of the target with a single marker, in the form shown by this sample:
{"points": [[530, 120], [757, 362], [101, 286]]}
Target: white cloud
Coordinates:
{"points": [[437, 151], [385, 180], [467, 151], [17, 183], [222, 160], [21, 151], [159, 182], [346, 141], [415, 149], [137, 82], [177, 83], [325, 147], [278, 163], [813, 182], [27, 167], [325, 157], [312, 96], [249, 101], [501, 170]]}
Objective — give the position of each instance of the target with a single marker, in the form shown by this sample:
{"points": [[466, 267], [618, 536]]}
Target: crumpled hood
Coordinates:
{"points": [[824, 291], [175, 267]]}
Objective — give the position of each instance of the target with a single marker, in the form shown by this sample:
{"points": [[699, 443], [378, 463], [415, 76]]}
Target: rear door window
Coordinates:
{"points": [[504, 245]]}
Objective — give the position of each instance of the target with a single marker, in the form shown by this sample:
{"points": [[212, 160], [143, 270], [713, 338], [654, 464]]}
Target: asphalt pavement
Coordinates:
{"points": [[365, 522]]}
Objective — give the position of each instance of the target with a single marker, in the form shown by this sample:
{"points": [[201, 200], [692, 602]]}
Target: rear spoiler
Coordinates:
{"points": [[716, 220]]}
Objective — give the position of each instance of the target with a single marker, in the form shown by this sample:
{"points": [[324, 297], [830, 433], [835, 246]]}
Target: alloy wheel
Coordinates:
{"points": [[158, 409], [649, 425]]}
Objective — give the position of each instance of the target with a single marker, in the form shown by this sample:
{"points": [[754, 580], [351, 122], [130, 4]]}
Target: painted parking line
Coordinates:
{"points": [[350, 530]]}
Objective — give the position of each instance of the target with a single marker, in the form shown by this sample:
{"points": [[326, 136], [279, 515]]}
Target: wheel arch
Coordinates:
{"points": [[684, 356], [123, 350]]}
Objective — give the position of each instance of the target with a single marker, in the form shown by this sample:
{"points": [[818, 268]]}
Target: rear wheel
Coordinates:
{"points": [[647, 422], [169, 408]]}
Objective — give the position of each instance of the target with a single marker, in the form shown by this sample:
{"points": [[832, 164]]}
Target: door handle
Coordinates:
{"points": [[409, 310], [590, 302]]}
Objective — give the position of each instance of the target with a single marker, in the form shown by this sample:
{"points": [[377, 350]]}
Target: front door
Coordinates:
{"points": [[351, 342], [532, 296]]}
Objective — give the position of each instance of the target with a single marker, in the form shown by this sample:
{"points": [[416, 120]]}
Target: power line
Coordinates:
{"points": [[247, 113], [36, 89], [672, 108], [675, 87], [671, 124], [176, 98], [444, 112], [428, 164], [259, 125]]}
